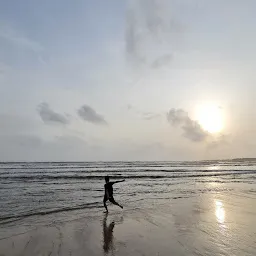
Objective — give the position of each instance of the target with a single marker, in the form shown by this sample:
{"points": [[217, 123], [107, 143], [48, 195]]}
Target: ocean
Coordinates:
{"points": [[40, 194], [32, 189]]}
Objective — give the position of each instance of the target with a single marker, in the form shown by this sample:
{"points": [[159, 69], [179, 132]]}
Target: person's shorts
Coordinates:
{"points": [[111, 199]]}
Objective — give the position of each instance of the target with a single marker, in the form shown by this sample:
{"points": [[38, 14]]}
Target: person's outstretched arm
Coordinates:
{"points": [[118, 181]]}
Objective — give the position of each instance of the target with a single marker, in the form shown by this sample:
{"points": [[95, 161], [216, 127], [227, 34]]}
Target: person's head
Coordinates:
{"points": [[106, 179]]}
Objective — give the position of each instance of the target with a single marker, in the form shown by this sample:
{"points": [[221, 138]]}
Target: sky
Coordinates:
{"points": [[125, 80]]}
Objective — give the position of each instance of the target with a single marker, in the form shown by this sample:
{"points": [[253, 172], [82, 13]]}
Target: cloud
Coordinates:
{"points": [[162, 61], [13, 36], [88, 114], [131, 39], [150, 115], [150, 30], [193, 131], [219, 141], [191, 128], [49, 116], [142, 114], [177, 116]]}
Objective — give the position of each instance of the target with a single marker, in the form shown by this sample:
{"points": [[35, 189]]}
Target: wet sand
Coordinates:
{"points": [[205, 225]]}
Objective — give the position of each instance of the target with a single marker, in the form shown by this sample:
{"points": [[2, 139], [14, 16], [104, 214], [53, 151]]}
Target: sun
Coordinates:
{"points": [[210, 117]]}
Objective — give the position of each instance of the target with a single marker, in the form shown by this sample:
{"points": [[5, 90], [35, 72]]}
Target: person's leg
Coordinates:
{"points": [[112, 200], [104, 202]]}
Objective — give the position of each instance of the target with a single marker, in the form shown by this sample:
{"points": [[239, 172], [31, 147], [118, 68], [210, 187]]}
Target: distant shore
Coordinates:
{"points": [[113, 161]]}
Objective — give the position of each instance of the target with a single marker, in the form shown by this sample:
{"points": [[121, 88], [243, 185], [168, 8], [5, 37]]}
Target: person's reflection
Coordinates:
{"points": [[108, 235]]}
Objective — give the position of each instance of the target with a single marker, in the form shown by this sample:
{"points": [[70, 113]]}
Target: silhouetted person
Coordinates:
{"points": [[109, 193], [108, 235]]}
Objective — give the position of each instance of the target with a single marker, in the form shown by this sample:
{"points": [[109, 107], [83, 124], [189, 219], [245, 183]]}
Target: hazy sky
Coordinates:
{"points": [[121, 80]]}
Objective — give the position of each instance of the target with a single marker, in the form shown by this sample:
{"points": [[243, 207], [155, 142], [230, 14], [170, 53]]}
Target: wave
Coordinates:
{"points": [[9, 219], [124, 166], [120, 164], [104, 171], [121, 176]]}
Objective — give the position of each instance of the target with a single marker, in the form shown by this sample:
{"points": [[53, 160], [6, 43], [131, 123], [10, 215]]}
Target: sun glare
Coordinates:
{"points": [[210, 118]]}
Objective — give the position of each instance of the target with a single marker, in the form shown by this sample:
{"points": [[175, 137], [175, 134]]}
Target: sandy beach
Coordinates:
{"points": [[205, 225]]}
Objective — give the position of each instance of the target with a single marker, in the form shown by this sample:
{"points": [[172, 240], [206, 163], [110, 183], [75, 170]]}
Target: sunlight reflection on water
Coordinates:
{"points": [[215, 167]]}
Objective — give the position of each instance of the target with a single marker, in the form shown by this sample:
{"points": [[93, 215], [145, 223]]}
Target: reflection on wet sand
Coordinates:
{"points": [[219, 211], [108, 235]]}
